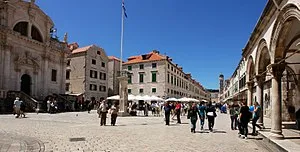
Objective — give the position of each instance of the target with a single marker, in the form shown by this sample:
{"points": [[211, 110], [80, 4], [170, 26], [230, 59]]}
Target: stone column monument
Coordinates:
{"points": [[123, 91]]}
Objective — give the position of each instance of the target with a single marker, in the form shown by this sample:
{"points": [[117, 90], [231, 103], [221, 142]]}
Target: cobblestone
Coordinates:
{"points": [[45, 132]]}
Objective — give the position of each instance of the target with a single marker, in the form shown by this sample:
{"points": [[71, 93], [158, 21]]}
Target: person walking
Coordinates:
{"points": [[244, 119], [114, 113], [167, 109], [256, 115], [103, 112], [211, 114], [48, 104], [192, 115], [22, 109], [202, 112], [177, 112], [17, 105], [233, 117]]}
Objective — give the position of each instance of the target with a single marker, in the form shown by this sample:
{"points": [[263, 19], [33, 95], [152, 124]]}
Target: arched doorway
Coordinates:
{"points": [[26, 84]]}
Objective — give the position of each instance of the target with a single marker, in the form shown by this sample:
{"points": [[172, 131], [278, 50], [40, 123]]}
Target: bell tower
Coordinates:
{"points": [[221, 79]]}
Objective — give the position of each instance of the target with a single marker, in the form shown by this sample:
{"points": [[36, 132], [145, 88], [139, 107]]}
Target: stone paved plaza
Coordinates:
{"points": [[80, 131]]}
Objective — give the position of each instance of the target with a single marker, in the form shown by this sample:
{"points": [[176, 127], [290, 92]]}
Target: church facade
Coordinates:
{"points": [[31, 60]]}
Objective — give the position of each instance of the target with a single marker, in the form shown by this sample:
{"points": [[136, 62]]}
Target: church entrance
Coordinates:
{"points": [[26, 84]]}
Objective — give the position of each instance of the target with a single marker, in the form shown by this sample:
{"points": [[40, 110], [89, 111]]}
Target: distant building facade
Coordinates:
{"points": [[113, 69], [31, 60], [87, 70], [214, 95], [156, 74]]}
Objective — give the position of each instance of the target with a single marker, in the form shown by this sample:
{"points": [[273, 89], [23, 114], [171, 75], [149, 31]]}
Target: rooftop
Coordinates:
{"points": [[152, 56]]}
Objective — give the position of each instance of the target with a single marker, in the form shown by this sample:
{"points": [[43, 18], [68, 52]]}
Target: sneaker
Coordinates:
{"points": [[242, 136], [245, 138]]}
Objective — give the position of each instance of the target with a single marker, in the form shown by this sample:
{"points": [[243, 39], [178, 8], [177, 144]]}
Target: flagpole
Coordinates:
{"points": [[121, 60], [122, 35]]}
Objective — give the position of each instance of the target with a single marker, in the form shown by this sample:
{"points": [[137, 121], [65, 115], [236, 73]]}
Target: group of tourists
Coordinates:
{"points": [[19, 108], [103, 108], [241, 115], [193, 111]]}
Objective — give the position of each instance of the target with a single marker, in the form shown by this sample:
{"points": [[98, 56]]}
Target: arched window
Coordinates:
{"points": [[21, 27], [35, 34]]}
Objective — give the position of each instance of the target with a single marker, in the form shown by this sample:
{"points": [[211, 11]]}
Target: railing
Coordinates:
{"points": [[61, 99], [123, 73], [30, 103]]}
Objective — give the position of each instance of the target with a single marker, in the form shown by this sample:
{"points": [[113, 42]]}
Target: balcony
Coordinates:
{"points": [[123, 73]]}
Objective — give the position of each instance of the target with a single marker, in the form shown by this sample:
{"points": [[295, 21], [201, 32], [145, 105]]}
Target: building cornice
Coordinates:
{"points": [[260, 26]]}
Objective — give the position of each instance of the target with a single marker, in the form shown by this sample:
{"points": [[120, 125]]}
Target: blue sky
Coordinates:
{"points": [[205, 37]]}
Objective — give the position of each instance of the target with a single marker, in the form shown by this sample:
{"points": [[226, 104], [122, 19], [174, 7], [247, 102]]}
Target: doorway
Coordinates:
{"points": [[26, 84]]}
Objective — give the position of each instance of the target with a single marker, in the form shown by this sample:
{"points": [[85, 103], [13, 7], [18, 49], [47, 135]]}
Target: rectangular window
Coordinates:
{"points": [[171, 68], [129, 91], [171, 91], [93, 87], [68, 62], [141, 66], [103, 64], [53, 75], [104, 76], [68, 75], [102, 88], [154, 65], [141, 90], [168, 66], [67, 86], [171, 79], [93, 61], [129, 79], [93, 74], [174, 80], [168, 78], [129, 67], [153, 90], [141, 77], [153, 76], [98, 52], [168, 90]]}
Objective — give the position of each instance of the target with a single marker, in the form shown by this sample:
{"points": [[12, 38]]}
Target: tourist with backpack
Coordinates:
{"points": [[244, 118]]}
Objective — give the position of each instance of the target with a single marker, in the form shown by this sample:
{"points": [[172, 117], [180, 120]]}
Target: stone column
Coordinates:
{"points": [[250, 92], [29, 28], [46, 76], [276, 116], [259, 96], [123, 95], [7, 69]]}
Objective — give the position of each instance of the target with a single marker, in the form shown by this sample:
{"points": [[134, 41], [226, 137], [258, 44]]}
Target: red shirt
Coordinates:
{"points": [[178, 106]]}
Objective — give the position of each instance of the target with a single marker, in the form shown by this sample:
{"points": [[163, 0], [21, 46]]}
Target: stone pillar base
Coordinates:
{"points": [[276, 135], [123, 114]]}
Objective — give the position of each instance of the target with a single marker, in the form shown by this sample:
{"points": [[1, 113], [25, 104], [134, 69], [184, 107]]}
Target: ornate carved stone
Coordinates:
{"points": [[250, 84], [277, 69], [260, 79]]}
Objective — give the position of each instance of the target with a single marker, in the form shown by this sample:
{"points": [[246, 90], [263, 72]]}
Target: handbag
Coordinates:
{"points": [[210, 113]]}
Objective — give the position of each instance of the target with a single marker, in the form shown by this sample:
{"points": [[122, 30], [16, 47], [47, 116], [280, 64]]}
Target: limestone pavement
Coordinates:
{"points": [[80, 131]]}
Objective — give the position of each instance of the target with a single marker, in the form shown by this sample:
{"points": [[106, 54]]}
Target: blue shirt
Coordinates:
{"points": [[202, 110]]}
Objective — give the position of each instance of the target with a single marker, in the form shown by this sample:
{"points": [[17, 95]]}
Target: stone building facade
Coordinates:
{"points": [[156, 74], [87, 70], [30, 59], [271, 61], [113, 69]]}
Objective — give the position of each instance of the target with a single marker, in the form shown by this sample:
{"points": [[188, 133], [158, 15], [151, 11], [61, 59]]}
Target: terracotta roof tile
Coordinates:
{"points": [[82, 49], [113, 58], [152, 56]]}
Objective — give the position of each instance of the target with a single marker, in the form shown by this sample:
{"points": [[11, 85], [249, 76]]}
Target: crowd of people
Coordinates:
{"points": [[240, 114]]}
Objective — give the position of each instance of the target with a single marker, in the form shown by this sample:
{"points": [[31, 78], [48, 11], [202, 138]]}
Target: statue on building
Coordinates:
{"points": [[66, 38]]}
